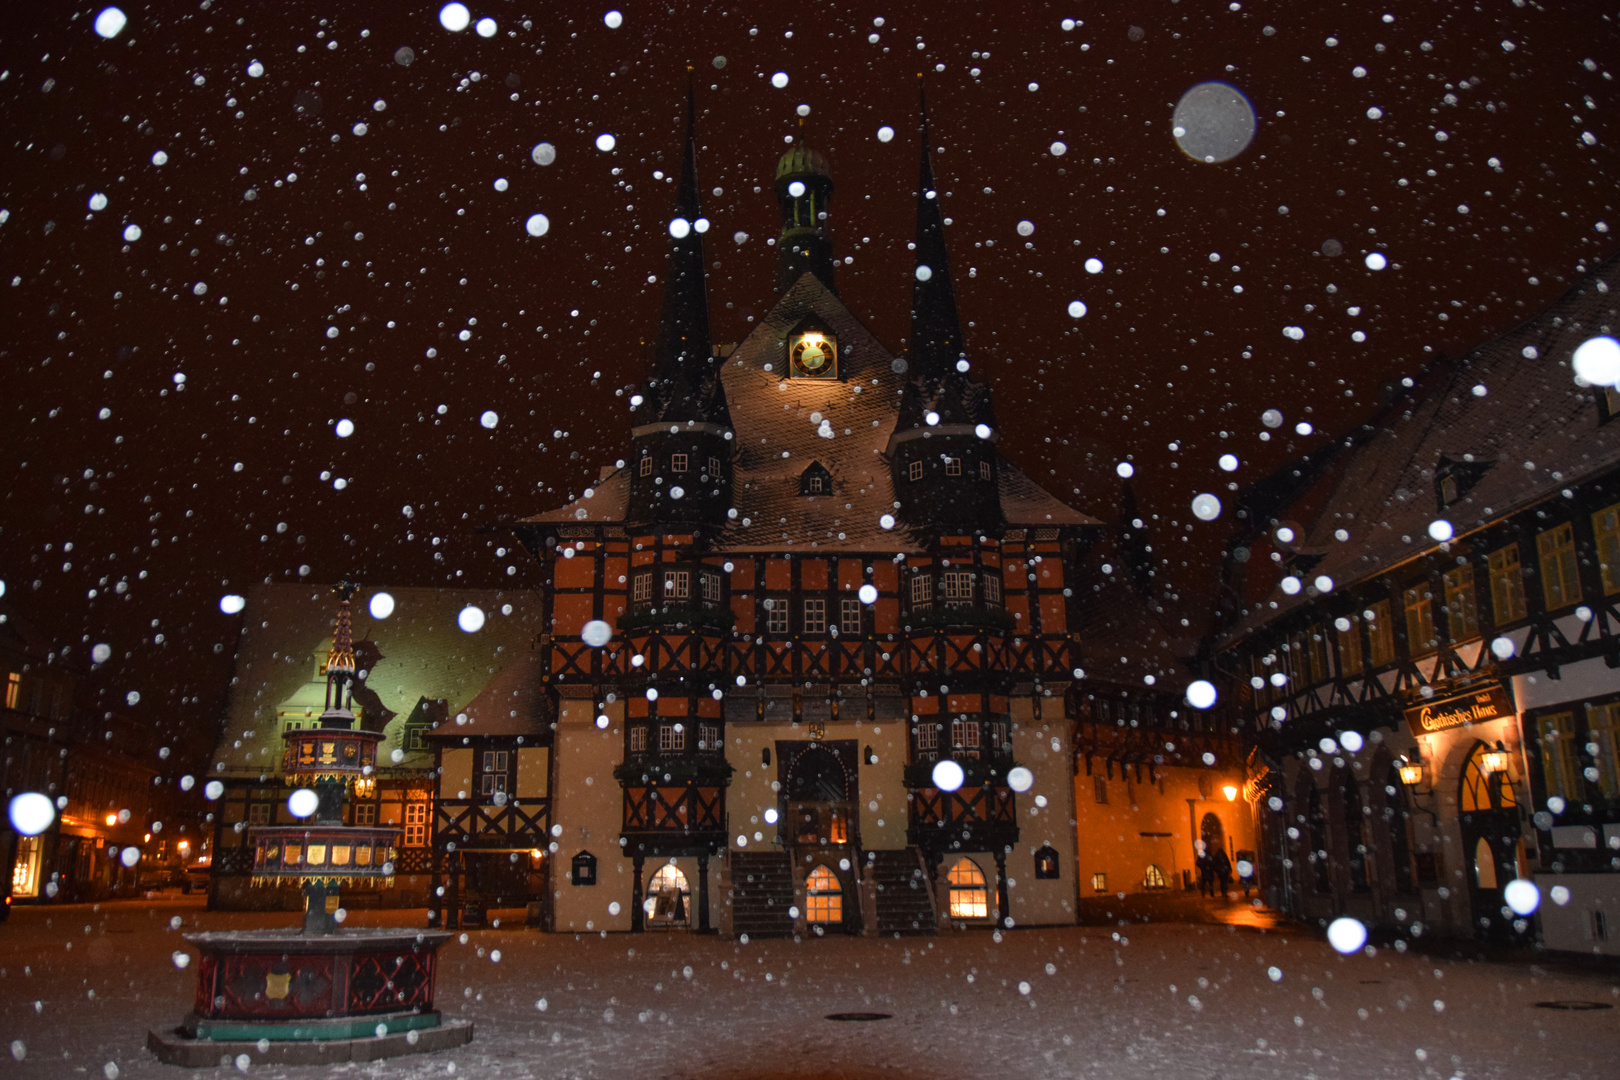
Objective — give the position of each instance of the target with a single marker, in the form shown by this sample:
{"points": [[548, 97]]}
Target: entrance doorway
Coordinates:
{"points": [[668, 898], [821, 786], [1489, 816]]}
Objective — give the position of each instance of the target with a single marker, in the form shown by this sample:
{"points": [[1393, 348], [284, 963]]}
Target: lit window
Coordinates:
{"points": [[984, 470], [1606, 529], [671, 737], [922, 592], [959, 588], [1153, 878], [1046, 864], [823, 897], [1462, 613], [1507, 585], [1419, 619], [416, 816], [815, 616], [953, 466], [849, 618], [1350, 650], [1560, 583], [1603, 729], [638, 739], [969, 897], [646, 464], [1381, 635], [776, 615], [992, 588], [1099, 882], [965, 738], [914, 471], [677, 462], [13, 689]]}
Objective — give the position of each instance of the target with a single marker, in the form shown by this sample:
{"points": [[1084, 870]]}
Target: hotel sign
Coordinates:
{"points": [[1475, 705]]}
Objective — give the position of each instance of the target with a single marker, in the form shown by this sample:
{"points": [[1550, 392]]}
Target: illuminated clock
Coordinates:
{"points": [[813, 354]]}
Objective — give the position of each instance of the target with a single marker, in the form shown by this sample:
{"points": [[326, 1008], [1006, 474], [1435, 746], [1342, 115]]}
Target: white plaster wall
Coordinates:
{"points": [[590, 808], [1570, 927], [1043, 747], [1588, 678]]}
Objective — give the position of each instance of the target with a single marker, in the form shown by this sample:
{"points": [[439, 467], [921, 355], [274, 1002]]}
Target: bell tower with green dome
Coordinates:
{"points": [[804, 187]]}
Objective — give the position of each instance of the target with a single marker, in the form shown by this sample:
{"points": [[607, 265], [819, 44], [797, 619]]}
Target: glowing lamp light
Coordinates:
{"points": [[1412, 773], [365, 787], [1231, 792], [112, 819], [1495, 761]]}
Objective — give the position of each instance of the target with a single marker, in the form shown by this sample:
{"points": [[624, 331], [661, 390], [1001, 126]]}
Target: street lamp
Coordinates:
{"points": [[1412, 771], [1495, 761], [1230, 791]]}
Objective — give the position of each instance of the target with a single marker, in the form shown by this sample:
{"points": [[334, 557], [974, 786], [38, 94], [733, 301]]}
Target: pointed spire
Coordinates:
{"points": [[340, 665], [1135, 543], [939, 390], [684, 386]]}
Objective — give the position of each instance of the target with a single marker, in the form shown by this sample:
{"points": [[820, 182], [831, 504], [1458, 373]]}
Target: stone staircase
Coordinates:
{"points": [[761, 894], [905, 900]]}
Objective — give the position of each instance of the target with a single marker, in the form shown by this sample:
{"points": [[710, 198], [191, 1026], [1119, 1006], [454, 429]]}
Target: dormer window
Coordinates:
{"points": [[714, 468], [914, 471], [1455, 477], [953, 466], [677, 462], [815, 480], [984, 470], [646, 464], [812, 351]]}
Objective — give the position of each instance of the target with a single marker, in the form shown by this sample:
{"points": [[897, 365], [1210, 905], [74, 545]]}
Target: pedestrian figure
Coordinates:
{"points": [[1206, 874], [1223, 872]]}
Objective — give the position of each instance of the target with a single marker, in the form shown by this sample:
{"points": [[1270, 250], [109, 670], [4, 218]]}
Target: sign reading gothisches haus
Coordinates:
{"points": [[1475, 705]]}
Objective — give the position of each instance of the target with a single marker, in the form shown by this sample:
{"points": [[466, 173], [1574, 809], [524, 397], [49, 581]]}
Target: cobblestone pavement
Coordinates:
{"points": [[80, 986]]}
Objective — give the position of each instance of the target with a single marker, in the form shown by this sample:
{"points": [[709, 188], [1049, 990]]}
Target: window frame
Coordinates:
{"points": [[1380, 635], [1417, 603], [776, 615], [958, 585], [953, 466], [678, 463], [1560, 569], [922, 591], [1606, 545], [1462, 603], [914, 471], [1505, 568], [646, 467], [849, 615], [813, 614], [968, 892]]}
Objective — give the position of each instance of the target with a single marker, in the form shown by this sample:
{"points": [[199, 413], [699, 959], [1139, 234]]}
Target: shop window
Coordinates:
{"points": [[1380, 635], [1419, 618], [1046, 864], [583, 869], [970, 899], [1606, 531], [1462, 613], [815, 616], [823, 897], [776, 614], [1507, 585], [1560, 581], [1153, 877], [25, 871]]}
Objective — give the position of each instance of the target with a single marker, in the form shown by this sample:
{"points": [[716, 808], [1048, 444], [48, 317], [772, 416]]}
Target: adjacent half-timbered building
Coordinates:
{"points": [[812, 578], [1424, 643]]}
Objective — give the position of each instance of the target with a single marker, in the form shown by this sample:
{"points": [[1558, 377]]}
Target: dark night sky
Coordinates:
{"points": [[183, 494]]}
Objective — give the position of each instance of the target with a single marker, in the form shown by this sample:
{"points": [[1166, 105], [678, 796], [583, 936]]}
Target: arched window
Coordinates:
{"points": [[1355, 832], [969, 897], [1316, 821], [1154, 877], [1397, 822], [1483, 789], [1046, 864], [824, 897], [667, 894]]}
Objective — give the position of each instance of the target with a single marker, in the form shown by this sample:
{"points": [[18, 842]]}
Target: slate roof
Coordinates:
{"points": [[784, 425], [423, 654], [1540, 430]]}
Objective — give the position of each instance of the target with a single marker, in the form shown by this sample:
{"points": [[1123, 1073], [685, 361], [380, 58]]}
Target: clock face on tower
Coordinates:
{"points": [[813, 355]]}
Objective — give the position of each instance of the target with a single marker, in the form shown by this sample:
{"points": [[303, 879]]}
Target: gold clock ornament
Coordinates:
{"points": [[813, 355]]}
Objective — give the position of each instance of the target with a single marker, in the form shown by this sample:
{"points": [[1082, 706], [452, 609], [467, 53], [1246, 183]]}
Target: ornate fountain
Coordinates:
{"points": [[325, 993]]}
